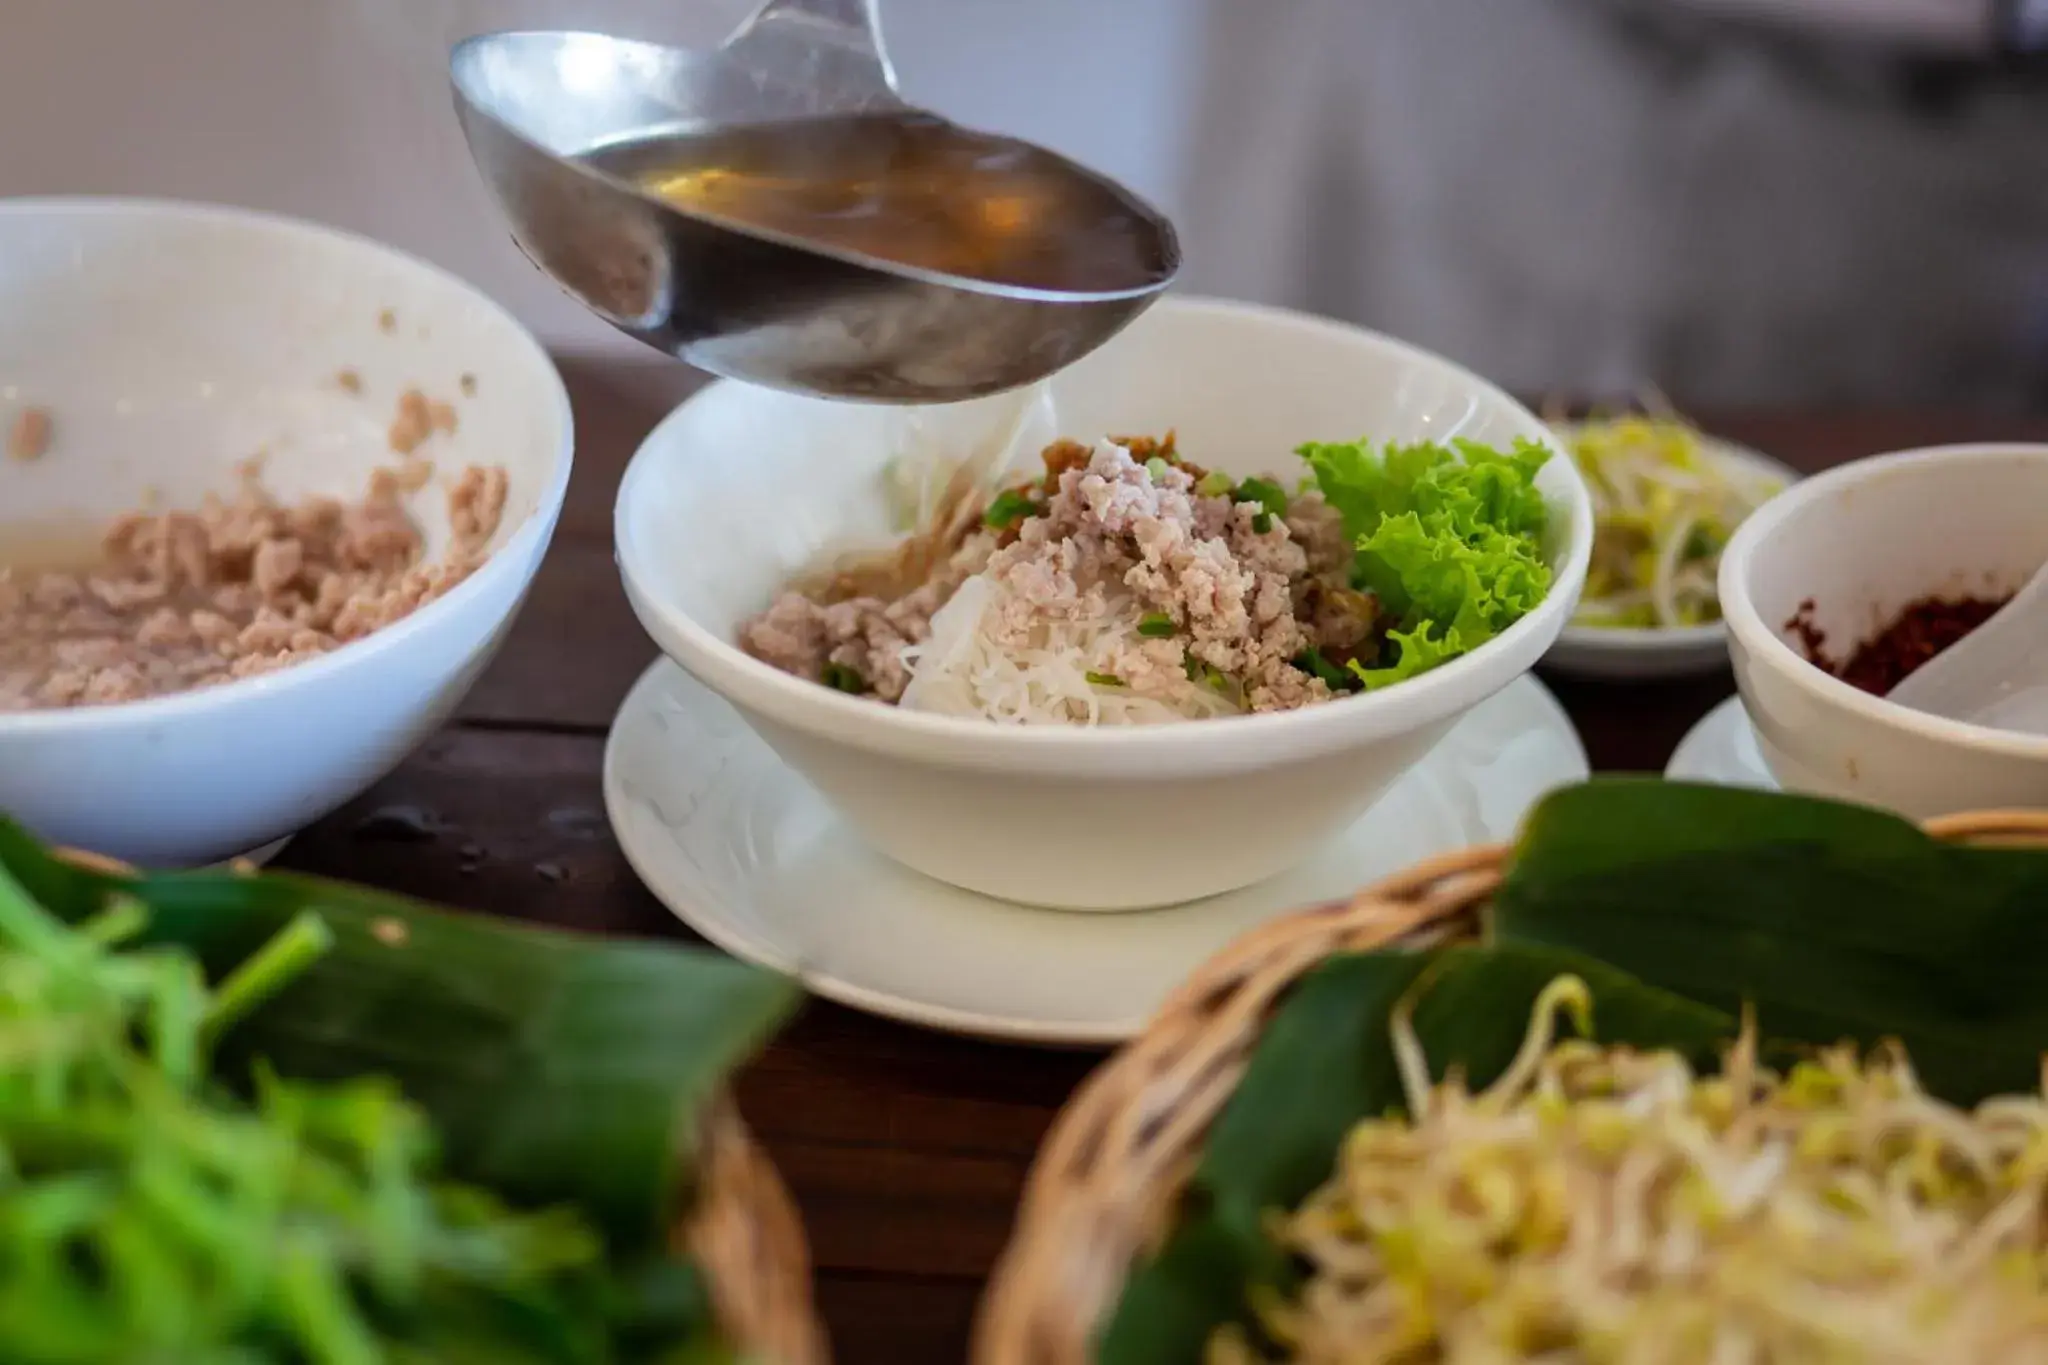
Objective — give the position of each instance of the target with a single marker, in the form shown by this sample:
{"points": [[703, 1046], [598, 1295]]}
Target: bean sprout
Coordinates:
{"points": [[1606, 1206], [1664, 505]]}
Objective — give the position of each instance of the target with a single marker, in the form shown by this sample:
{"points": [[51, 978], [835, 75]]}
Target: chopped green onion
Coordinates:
{"points": [[1215, 484], [1156, 625], [1157, 468], [1105, 680], [1008, 508], [1207, 674], [840, 678], [1262, 522], [1311, 661], [1267, 494]]}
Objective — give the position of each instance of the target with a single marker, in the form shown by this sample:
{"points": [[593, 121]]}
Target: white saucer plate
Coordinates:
{"points": [[1722, 749], [749, 855]]}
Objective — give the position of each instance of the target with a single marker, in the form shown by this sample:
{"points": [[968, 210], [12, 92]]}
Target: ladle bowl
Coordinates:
{"points": [[743, 301]]}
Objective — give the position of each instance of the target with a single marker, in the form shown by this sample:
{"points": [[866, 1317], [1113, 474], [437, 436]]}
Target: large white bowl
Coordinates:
{"points": [[1862, 542], [741, 488], [173, 341]]}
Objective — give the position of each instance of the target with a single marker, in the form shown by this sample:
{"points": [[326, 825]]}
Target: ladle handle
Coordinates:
{"points": [[832, 47]]}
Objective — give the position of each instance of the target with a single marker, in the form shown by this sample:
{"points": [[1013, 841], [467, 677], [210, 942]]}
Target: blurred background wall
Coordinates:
{"points": [[1571, 195]]}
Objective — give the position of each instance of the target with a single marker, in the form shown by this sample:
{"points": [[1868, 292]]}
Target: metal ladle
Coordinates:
{"points": [[741, 301]]}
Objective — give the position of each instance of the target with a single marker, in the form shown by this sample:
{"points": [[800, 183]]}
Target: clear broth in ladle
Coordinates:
{"points": [[910, 189]]}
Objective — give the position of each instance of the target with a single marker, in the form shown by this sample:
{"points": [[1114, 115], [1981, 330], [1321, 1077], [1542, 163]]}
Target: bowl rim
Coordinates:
{"points": [[1636, 641], [1770, 648], [526, 538], [1245, 742]]}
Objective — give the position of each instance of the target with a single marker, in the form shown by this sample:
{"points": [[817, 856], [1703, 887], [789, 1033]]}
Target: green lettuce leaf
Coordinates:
{"points": [[1449, 538]]}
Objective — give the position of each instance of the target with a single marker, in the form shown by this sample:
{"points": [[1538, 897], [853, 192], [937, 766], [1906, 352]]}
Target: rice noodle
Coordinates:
{"points": [[962, 670]]}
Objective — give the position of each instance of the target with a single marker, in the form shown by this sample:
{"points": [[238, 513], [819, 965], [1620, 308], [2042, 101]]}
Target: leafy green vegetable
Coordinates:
{"points": [[560, 1074], [1105, 679], [1214, 484], [1836, 921], [1450, 539], [556, 1069], [1324, 1064]]}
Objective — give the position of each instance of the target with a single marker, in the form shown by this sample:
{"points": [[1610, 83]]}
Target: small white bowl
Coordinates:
{"points": [[741, 488], [171, 342], [1862, 542], [1646, 654]]}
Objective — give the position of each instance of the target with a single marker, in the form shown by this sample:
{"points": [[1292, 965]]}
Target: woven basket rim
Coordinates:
{"points": [[741, 1227], [1105, 1180]]}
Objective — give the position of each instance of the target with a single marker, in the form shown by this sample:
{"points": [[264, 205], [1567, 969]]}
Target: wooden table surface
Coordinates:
{"points": [[905, 1149]]}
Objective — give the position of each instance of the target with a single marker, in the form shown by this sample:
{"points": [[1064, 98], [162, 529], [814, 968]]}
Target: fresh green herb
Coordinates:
{"points": [[1262, 522], [1312, 662], [1105, 680], [1156, 625], [1215, 484], [840, 678], [1007, 509], [1267, 494], [1450, 539], [1157, 468], [382, 1133]]}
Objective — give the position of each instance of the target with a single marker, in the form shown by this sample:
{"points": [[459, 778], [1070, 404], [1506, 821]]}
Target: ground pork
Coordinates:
{"points": [[865, 634], [1105, 530], [187, 599], [1227, 591], [1339, 620]]}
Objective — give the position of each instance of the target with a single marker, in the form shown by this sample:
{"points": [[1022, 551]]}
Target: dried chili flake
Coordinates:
{"points": [[1919, 632]]}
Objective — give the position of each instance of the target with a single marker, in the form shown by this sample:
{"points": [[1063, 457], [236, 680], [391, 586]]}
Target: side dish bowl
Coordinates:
{"points": [[740, 489], [1861, 543], [170, 344], [1629, 654]]}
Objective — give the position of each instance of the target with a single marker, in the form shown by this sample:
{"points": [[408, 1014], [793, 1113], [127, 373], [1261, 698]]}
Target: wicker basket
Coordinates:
{"points": [[742, 1231], [1110, 1174]]}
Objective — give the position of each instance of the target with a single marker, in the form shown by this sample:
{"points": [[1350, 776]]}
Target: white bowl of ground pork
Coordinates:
{"points": [[742, 489], [386, 451]]}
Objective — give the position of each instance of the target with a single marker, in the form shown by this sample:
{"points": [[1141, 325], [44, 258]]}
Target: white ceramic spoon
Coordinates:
{"points": [[1997, 675]]}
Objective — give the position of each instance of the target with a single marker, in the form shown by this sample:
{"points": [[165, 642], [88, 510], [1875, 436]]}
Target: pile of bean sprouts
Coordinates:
{"points": [[1609, 1206], [1664, 505]]}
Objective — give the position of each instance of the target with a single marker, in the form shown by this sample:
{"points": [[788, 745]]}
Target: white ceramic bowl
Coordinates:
{"points": [[171, 342], [1861, 542], [742, 488], [1644, 655]]}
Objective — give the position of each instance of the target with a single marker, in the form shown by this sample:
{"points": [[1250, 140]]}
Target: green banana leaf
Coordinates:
{"points": [[1679, 905], [1836, 922], [557, 1068]]}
